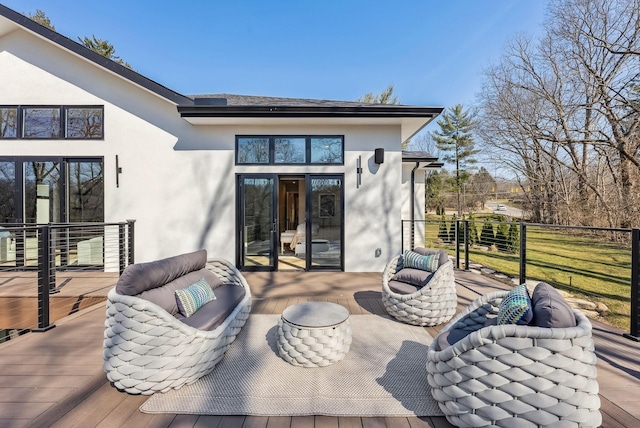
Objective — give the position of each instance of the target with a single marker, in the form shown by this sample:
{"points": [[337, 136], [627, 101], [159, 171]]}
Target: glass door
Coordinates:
{"points": [[325, 206], [257, 226]]}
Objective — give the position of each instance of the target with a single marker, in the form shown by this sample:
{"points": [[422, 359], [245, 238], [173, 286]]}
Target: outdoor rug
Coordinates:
{"points": [[384, 374]]}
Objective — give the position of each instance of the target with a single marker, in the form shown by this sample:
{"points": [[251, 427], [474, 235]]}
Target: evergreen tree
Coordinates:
{"points": [[455, 137], [486, 234], [473, 231], [501, 235], [41, 18], [443, 229], [514, 238], [104, 48]]}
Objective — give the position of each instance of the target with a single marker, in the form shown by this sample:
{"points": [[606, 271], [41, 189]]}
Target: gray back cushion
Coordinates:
{"points": [[550, 309], [442, 259], [140, 277], [165, 296]]}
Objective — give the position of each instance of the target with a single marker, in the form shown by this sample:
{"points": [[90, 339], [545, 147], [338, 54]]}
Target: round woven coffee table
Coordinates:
{"points": [[314, 334]]}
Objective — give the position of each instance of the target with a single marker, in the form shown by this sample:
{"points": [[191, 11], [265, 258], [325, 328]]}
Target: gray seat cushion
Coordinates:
{"points": [[402, 287], [550, 309], [212, 314], [416, 277], [454, 335], [140, 277]]}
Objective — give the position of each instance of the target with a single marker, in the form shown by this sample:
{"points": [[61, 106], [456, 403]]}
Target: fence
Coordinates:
{"points": [[39, 261], [599, 264]]}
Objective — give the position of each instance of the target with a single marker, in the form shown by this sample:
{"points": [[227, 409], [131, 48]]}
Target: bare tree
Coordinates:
{"points": [[563, 112]]}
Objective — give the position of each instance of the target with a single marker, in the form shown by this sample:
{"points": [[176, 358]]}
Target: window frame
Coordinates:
{"points": [[272, 139], [62, 112]]}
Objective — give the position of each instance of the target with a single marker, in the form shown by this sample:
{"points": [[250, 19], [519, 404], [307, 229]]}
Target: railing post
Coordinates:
{"points": [[634, 324], [46, 279], [523, 253], [455, 237], [466, 245], [122, 248], [131, 241]]}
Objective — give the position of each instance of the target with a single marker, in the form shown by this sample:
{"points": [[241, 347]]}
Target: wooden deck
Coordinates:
{"points": [[56, 379]]}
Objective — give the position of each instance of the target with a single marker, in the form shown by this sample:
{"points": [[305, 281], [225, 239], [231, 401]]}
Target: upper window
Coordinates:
{"points": [[8, 122], [52, 122], [292, 150]]}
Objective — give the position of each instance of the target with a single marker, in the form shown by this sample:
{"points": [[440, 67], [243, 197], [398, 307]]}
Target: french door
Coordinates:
{"points": [[257, 225], [320, 219]]}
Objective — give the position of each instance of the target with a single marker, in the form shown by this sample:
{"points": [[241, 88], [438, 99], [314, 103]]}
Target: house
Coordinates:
{"points": [[84, 139]]}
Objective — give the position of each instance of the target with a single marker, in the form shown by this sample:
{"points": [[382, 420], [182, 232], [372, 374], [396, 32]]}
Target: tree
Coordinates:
{"points": [[104, 48], [482, 185], [443, 229], [384, 97], [435, 187], [455, 137], [563, 111], [41, 18]]}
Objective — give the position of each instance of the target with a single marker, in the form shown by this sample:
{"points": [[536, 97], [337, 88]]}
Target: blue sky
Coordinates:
{"points": [[433, 52]]}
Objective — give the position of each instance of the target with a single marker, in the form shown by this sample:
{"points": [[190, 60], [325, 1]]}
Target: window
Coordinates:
{"points": [[326, 150], [253, 150], [84, 122], [8, 122], [40, 122], [292, 150], [52, 122]]}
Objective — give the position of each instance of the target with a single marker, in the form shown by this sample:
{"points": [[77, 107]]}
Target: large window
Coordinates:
{"points": [[43, 190], [289, 150], [52, 122]]}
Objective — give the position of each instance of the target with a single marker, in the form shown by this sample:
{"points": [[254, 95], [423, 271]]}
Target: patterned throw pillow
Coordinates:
{"points": [[516, 307], [414, 260], [193, 297]]}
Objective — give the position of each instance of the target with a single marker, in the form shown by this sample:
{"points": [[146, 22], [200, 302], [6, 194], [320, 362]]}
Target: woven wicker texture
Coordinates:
{"points": [[313, 347], [147, 350], [515, 375], [433, 304]]}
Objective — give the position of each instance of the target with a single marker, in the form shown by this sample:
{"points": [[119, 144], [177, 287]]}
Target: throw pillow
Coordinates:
{"points": [[550, 309], [414, 260], [516, 307], [193, 297]]}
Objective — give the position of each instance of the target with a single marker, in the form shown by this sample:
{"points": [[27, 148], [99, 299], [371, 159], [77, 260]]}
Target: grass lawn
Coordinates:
{"points": [[579, 262]]}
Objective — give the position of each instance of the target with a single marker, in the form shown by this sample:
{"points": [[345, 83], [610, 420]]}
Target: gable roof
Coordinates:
{"points": [[11, 20], [229, 109]]}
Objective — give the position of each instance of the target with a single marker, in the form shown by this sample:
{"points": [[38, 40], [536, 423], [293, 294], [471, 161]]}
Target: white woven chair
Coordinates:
{"points": [[148, 350], [433, 304], [515, 375]]}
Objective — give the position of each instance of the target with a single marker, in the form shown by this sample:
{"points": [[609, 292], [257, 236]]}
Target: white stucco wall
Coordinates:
{"points": [[178, 180]]}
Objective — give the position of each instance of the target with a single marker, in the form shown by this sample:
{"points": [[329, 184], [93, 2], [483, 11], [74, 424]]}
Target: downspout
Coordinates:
{"points": [[413, 197]]}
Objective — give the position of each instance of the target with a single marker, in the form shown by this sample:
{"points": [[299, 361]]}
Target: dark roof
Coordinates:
{"points": [[90, 55], [258, 100], [230, 105], [409, 155]]}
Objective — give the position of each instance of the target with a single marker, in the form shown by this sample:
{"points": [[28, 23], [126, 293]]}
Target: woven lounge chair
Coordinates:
{"points": [[434, 303], [514, 375], [148, 350]]}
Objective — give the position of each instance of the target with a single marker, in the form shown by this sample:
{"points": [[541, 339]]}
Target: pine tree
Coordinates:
{"points": [[486, 234], [473, 231], [443, 230], [455, 137]]}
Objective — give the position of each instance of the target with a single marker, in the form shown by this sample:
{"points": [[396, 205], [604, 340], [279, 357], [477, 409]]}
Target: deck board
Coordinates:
{"points": [[56, 379]]}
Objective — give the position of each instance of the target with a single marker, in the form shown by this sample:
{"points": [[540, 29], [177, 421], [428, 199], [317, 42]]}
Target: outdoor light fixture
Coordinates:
{"points": [[379, 156], [359, 172], [118, 172]]}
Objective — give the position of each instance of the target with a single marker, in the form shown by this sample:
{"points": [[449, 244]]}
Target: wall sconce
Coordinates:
{"points": [[118, 172], [379, 156], [359, 172]]}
